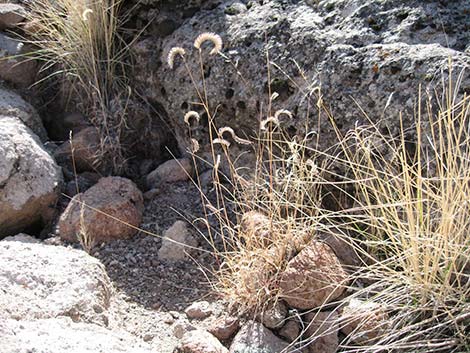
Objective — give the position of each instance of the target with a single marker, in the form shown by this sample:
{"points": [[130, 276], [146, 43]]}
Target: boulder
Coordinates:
{"points": [[85, 145], [253, 337], [12, 105], [29, 179], [322, 331], [177, 243], [16, 67], [115, 209], [372, 52], [313, 277], [170, 172], [200, 341], [61, 334], [41, 281], [11, 15]]}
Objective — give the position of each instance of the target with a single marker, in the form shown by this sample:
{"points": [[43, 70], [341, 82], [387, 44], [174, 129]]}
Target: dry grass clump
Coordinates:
{"points": [[412, 213], [79, 43]]}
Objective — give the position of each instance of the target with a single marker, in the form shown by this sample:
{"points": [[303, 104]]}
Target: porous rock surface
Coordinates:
{"points": [[374, 53], [114, 204], [29, 178], [313, 278], [39, 281]]}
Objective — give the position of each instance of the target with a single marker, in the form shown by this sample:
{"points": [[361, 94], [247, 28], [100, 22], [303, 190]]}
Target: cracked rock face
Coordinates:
{"points": [[29, 179], [369, 54]]}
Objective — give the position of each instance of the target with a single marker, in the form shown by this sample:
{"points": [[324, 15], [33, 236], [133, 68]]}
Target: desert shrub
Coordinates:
{"points": [[80, 46], [411, 212]]}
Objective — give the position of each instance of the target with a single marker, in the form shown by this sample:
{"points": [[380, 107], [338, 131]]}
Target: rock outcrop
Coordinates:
{"points": [[372, 54], [29, 179]]}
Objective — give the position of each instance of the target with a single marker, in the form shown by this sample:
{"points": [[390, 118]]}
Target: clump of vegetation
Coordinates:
{"points": [[412, 214], [409, 220], [80, 45]]}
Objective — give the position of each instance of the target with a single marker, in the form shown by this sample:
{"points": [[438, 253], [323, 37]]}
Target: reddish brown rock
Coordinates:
{"points": [[322, 331], [312, 278], [114, 200], [84, 146]]}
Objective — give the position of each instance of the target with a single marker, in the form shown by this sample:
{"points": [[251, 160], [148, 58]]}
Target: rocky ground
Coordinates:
{"points": [[145, 285]]}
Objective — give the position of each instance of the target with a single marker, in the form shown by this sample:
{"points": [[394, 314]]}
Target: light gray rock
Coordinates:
{"points": [[11, 15], [29, 179], [41, 281], [15, 67], [253, 337], [177, 243], [58, 335], [12, 105]]}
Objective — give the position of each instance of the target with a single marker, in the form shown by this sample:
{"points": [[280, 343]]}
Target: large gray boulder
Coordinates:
{"points": [[12, 105], [39, 281], [29, 179], [374, 53], [58, 335]]}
